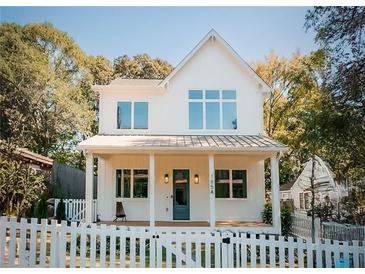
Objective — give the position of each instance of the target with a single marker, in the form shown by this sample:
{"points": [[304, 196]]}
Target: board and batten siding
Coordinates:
{"points": [[137, 209], [212, 67]]}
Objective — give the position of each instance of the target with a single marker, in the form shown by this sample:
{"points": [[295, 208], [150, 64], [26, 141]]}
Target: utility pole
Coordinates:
{"points": [[312, 200]]}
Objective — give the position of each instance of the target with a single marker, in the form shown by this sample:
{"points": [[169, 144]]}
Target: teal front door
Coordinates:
{"points": [[181, 194]]}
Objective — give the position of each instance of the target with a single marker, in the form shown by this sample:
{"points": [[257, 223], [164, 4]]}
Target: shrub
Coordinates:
{"points": [[41, 210], [286, 218], [61, 211], [267, 214], [286, 221]]}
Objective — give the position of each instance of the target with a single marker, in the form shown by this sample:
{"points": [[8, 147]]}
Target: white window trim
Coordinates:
{"points": [[204, 101], [230, 183], [132, 184]]}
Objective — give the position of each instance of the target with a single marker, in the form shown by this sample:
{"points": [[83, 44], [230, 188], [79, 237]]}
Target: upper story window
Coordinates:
{"points": [[212, 109], [139, 119]]}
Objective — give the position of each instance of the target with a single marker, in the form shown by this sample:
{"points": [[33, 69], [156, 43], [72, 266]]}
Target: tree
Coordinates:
{"points": [[295, 96], [340, 32], [44, 101], [20, 185], [61, 211], [141, 66]]}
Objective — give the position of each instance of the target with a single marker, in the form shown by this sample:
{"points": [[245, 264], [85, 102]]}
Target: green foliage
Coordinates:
{"points": [[20, 185], [267, 214], [41, 209], [141, 66], [339, 32], [61, 211], [352, 207], [286, 218], [286, 221], [46, 101]]}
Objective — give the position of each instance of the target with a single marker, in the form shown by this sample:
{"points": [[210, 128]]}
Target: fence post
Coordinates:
{"points": [[317, 229]]}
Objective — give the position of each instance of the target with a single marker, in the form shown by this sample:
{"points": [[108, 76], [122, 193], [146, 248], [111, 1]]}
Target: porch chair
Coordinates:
{"points": [[120, 213]]}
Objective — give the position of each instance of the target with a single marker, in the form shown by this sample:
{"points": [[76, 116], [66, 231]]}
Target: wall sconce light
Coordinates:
{"points": [[166, 178], [196, 179]]}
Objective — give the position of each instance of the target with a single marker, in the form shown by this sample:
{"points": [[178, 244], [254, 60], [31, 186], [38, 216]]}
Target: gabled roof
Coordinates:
{"points": [[212, 34], [286, 186]]}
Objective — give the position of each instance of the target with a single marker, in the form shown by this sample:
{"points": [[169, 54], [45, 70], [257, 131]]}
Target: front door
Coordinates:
{"points": [[181, 194]]}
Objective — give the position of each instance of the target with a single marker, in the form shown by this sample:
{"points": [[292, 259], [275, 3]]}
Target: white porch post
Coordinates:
{"points": [[211, 191], [152, 189], [89, 184], [275, 194]]}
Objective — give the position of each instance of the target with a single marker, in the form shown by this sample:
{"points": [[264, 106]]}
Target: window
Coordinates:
{"points": [[306, 200], [139, 118], [229, 116], [131, 183], [195, 115], [301, 200], [140, 183], [123, 183], [231, 184], [140, 115], [222, 183], [212, 109], [239, 185], [213, 119], [124, 115]]}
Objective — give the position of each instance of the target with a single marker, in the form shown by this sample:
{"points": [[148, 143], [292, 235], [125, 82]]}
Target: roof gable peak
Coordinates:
{"points": [[213, 35]]}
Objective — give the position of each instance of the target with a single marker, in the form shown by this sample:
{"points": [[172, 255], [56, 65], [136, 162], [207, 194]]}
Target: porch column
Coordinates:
{"points": [[89, 184], [211, 190], [275, 194], [152, 189]]}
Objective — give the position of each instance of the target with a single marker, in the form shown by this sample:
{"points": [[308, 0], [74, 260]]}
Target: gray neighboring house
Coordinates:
{"points": [[325, 184]]}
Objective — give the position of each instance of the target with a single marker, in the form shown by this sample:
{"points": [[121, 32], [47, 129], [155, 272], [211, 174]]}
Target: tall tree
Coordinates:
{"points": [[294, 97], [141, 66], [340, 32]]}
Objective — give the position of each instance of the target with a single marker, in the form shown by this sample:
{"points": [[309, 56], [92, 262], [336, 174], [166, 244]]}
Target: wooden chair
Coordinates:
{"points": [[120, 213]]}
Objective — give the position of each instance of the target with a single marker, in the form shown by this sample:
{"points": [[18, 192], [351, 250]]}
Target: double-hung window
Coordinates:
{"points": [[131, 183], [212, 109], [231, 183], [139, 119]]}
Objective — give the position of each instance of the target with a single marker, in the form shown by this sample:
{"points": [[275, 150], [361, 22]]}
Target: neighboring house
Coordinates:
{"points": [[36, 161], [325, 186], [188, 149]]}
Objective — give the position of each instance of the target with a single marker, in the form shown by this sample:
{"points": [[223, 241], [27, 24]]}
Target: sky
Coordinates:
{"points": [[171, 32]]}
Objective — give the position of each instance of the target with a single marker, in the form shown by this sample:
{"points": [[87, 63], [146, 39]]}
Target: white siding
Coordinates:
{"points": [[212, 67], [226, 209]]}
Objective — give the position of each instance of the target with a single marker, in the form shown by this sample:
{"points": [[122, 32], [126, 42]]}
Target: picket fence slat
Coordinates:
{"points": [[83, 235], [112, 230], [281, 252], [3, 222], [29, 244]]}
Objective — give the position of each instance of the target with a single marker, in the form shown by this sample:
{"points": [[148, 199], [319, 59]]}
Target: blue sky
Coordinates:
{"points": [[171, 32]]}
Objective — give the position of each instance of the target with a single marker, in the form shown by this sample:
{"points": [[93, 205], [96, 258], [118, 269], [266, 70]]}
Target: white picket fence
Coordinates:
{"points": [[42, 244], [343, 232], [75, 209], [302, 226]]}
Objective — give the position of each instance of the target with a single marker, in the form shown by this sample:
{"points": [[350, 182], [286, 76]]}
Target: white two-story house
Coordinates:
{"points": [[187, 150]]}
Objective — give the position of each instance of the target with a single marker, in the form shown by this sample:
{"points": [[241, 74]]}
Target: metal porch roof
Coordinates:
{"points": [[183, 142]]}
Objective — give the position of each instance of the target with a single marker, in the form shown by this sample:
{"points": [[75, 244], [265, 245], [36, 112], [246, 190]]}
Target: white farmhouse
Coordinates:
{"points": [[187, 150], [325, 186]]}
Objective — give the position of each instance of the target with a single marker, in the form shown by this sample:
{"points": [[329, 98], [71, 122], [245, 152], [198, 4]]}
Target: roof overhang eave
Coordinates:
{"points": [[187, 149]]}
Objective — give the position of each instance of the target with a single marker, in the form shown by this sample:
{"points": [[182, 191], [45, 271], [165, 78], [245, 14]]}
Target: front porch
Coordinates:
{"points": [[220, 224], [164, 185]]}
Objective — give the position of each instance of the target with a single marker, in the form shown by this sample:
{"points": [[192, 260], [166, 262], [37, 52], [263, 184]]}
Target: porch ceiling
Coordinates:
{"points": [[182, 142]]}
